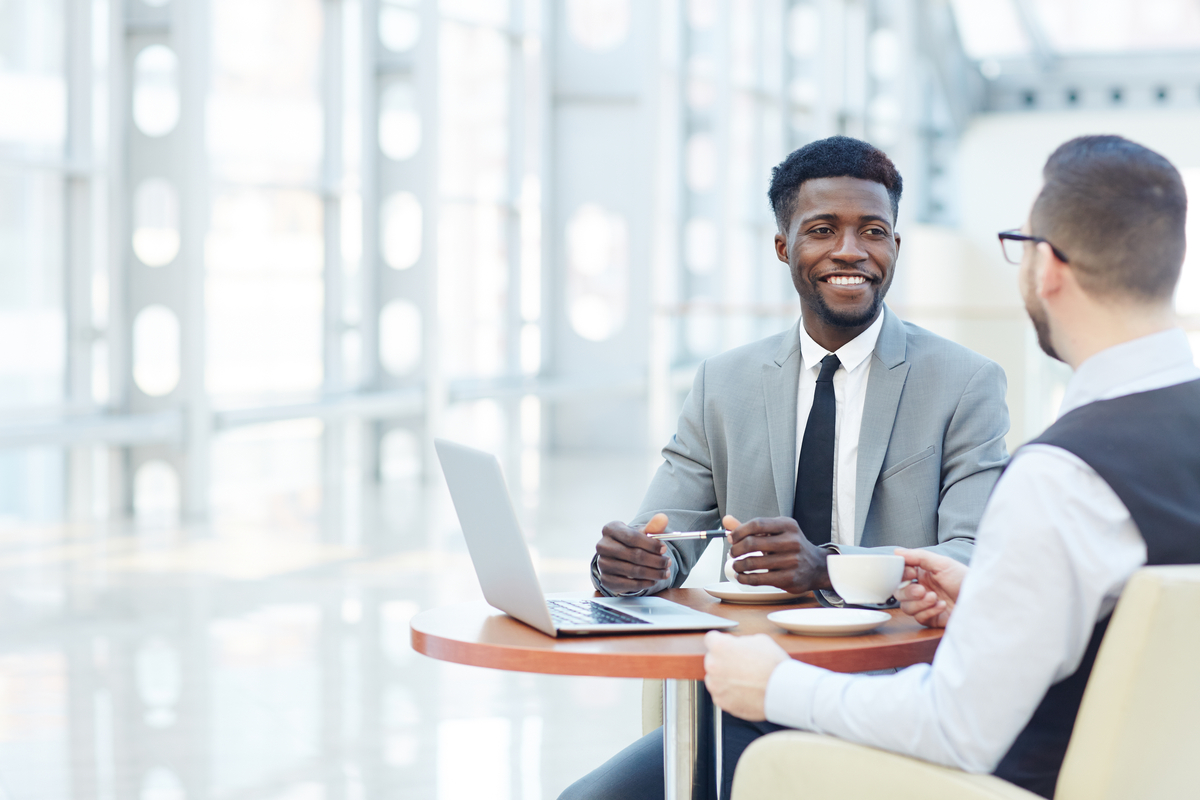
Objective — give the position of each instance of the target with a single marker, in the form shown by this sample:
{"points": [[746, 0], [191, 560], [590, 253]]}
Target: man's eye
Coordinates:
{"points": [[822, 230]]}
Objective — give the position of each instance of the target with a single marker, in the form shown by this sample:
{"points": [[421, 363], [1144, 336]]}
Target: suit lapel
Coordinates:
{"points": [[780, 378], [884, 387]]}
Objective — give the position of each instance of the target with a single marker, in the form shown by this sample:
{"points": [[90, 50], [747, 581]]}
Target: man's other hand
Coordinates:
{"points": [[629, 559], [737, 669], [930, 601], [793, 563]]}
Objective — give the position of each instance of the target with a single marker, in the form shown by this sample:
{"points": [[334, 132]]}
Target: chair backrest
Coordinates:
{"points": [[1138, 730]]}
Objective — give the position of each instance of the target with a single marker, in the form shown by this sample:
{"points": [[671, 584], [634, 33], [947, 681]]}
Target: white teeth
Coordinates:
{"points": [[846, 280]]}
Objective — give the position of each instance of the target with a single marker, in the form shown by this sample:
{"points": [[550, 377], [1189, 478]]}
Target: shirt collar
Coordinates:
{"points": [[851, 354], [1126, 364]]}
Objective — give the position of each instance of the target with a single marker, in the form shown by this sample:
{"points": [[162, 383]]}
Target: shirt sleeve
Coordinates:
{"points": [[1055, 548]]}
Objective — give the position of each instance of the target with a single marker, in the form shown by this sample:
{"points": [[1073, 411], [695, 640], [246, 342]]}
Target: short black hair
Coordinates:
{"points": [[1118, 211], [835, 157]]}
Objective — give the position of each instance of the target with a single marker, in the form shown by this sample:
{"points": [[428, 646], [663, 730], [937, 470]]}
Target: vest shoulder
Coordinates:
{"points": [[1148, 410]]}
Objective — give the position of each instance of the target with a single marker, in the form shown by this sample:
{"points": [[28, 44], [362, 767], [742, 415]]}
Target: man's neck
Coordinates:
{"points": [[1106, 326], [833, 337]]}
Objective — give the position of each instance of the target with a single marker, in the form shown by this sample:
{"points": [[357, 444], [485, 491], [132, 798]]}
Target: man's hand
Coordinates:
{"points": [[793, 563], [736, 671], [629, 559], [931, 600]]}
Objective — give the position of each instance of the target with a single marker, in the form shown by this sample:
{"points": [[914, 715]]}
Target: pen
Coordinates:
{"points": [[674, 536]]}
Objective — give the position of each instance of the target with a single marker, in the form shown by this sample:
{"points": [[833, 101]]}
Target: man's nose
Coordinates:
{"points": [[849, 248]]}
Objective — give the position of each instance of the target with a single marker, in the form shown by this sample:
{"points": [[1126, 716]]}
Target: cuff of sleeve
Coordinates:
{"points": [[791, 690], [596, 577]]}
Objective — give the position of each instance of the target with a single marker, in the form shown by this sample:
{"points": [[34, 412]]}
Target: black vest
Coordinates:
{"points": [[1146, 447]]}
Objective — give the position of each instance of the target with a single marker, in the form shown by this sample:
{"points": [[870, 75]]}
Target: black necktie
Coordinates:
{"points": [[813, 508]]}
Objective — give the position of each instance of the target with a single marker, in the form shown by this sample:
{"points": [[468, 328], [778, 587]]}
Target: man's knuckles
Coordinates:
{"points": [[624, 569], [618, 550]]}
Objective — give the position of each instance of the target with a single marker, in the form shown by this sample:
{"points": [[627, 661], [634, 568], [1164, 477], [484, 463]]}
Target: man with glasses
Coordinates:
{"points": [[1112, 485]]}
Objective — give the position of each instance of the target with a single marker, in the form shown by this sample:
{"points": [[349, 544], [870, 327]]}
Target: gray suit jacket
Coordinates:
{"points": [[930, 448]]}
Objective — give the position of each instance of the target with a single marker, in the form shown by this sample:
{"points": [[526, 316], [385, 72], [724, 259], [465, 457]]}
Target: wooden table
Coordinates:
{"points": [[479, 635]]}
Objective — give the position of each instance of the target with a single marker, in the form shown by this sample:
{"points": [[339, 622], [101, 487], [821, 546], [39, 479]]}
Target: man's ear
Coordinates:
{"points": [[1050, 272], [781, 248]]}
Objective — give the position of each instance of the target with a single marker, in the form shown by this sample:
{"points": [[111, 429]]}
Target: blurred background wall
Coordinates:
{"points": [[255, 254], [336, 228]]}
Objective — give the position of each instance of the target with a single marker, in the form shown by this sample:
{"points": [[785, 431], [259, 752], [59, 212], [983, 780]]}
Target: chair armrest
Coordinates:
{"points": [[795, 764]]}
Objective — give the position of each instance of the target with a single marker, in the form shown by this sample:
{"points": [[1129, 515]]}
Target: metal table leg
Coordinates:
{"points": [[687, 735]]}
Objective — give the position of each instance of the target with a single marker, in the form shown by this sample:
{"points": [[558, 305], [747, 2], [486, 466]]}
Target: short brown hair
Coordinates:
{"points": [[1117, 210]]}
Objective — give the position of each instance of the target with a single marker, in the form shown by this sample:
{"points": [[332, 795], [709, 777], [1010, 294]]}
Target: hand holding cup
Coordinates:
{"points": [[935, 582]]}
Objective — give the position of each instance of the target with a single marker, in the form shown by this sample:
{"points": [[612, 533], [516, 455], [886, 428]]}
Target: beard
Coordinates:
{"points": [[1041, 325], [849, 318]]}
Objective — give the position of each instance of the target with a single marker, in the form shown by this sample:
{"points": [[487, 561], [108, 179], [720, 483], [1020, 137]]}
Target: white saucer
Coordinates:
{"points": [[829, 621], [732, 592]]}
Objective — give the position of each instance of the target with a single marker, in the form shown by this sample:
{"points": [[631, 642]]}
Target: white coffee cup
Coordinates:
{"points": [[865, 578], [730, 574]]}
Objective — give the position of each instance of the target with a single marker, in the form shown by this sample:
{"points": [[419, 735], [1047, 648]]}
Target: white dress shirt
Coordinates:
{"points": [[850, 393], [1054, 549]]}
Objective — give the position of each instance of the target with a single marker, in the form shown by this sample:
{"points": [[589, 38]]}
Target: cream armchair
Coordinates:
{"points": [[1137, 734]]}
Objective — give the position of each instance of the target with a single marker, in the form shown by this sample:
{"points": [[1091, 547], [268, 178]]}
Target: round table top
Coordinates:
{"points": [[479, 635]]}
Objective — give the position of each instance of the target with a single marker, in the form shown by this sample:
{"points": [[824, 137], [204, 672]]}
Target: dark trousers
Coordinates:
{"points": [[636, 773]]}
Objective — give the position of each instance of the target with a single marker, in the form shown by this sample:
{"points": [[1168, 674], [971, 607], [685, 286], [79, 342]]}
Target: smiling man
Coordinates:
{"points": [[850, 431]]}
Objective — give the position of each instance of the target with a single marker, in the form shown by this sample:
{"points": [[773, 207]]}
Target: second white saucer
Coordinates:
{"points": [[829, 621]]}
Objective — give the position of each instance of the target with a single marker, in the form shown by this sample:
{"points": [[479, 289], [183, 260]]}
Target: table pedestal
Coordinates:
{"points": [[690, 729]]}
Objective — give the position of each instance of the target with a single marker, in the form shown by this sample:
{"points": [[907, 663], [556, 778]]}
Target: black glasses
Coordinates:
{"points": [[1013, 244]]}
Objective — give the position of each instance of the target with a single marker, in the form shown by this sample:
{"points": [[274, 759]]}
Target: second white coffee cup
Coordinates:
{"points": [[865, 578]]}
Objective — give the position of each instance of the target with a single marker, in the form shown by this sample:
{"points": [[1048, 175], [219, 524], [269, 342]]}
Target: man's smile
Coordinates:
{"points": [[846, 280]]}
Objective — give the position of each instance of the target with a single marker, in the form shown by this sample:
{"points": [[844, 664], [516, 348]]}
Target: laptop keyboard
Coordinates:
{"points": [[585, 612]]}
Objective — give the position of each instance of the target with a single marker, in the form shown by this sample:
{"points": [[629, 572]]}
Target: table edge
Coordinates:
{"points": [[689, 666]]}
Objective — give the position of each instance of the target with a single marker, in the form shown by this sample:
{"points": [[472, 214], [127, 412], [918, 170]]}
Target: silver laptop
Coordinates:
{"points": [[506, 572]]}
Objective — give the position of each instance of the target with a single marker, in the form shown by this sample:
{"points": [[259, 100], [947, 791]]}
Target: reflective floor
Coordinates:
{"points": [[266, 653]]}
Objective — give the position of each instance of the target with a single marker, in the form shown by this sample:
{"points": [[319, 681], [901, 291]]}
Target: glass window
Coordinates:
{"points": [[400, 229], [156, 350], [265, 293], [700, 160], [399, 121], [701, 239], [473, 290], [160, 783], [598, 25], [31, 288], [400, 459], [400, 337], [156, 90], [264, 106], [156, 222], [473, 130], [598, 271], [399, 25], [31, 77], [1075, 26]]}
